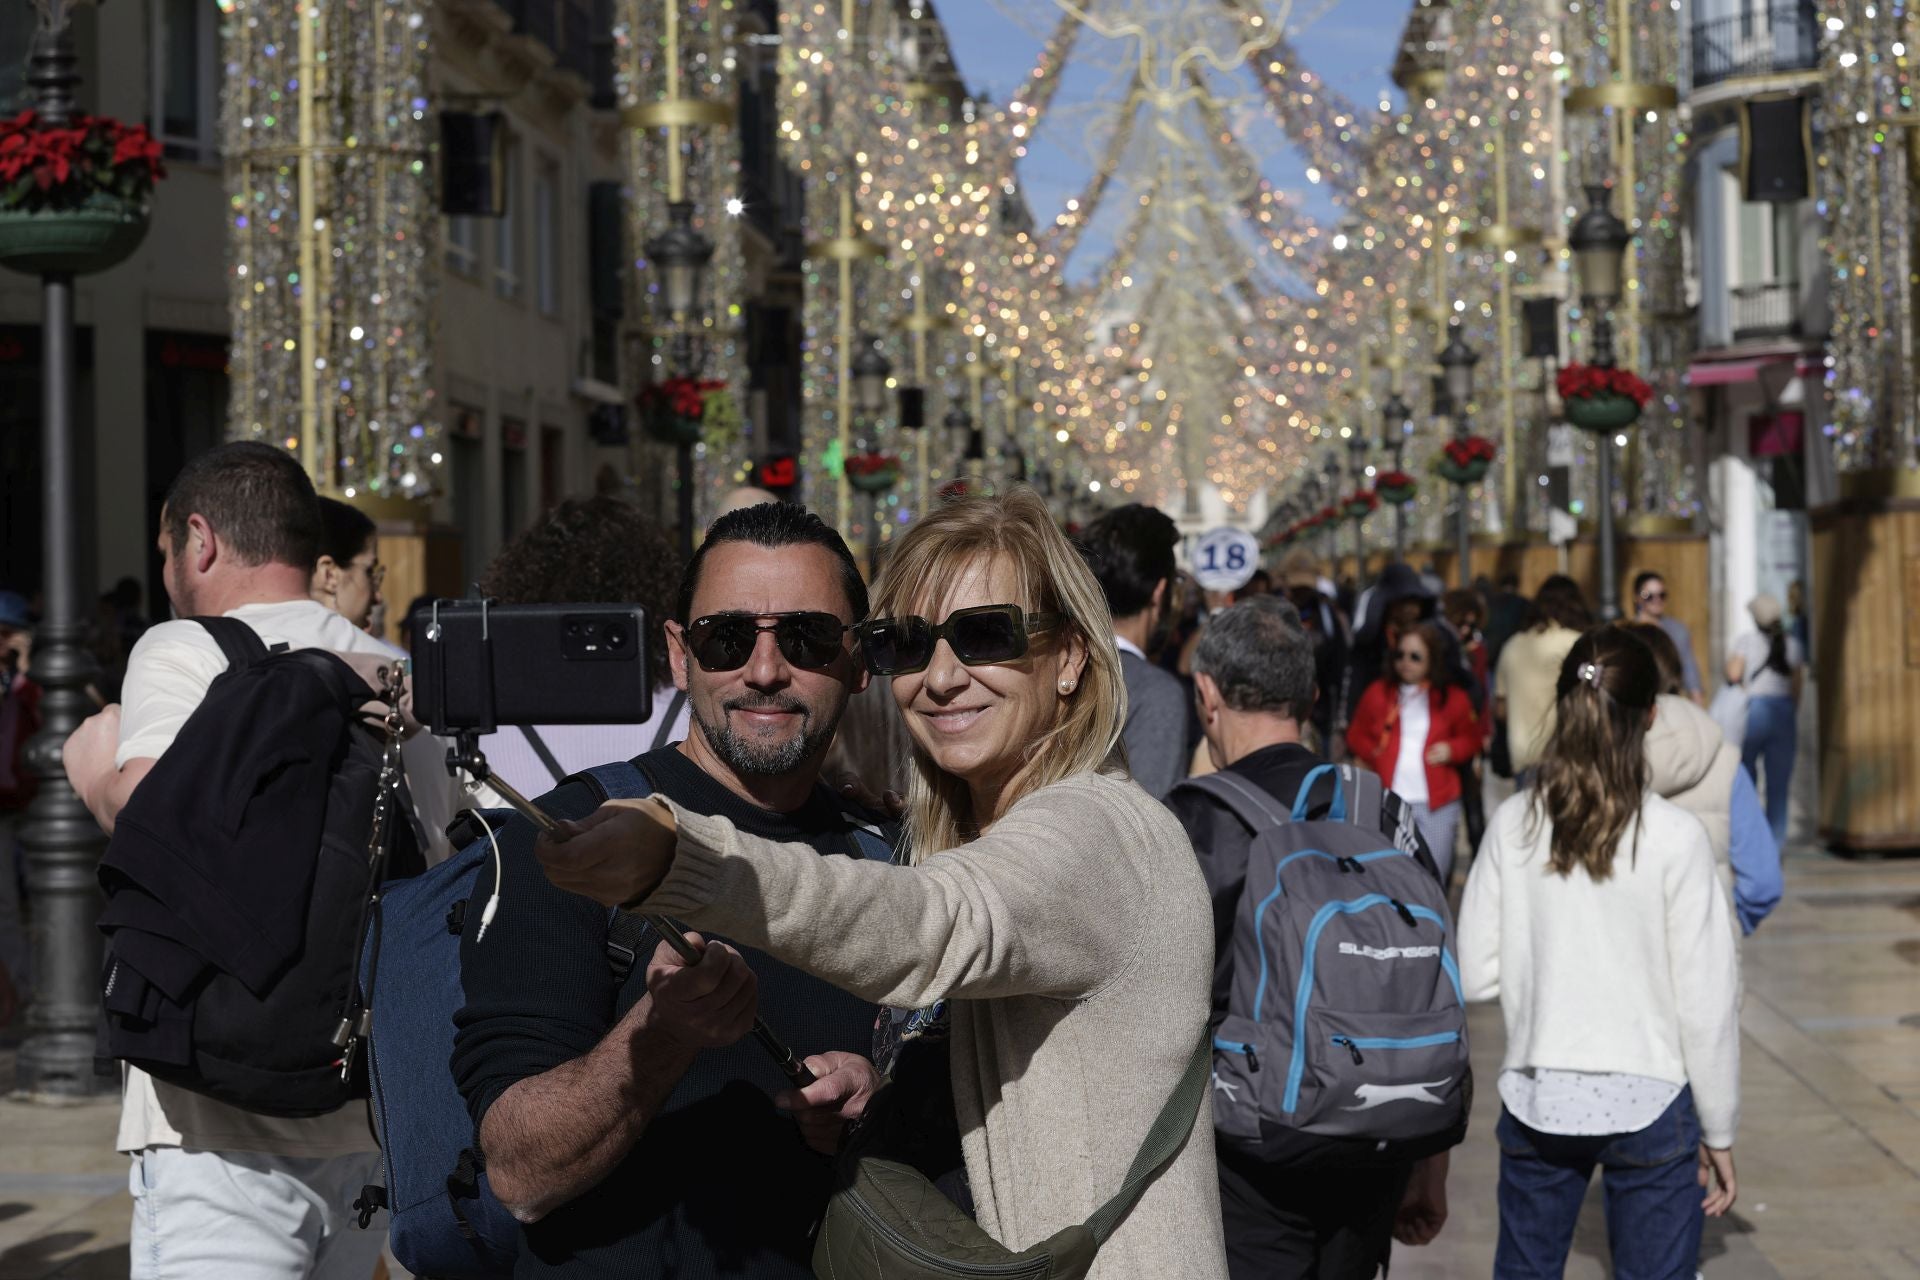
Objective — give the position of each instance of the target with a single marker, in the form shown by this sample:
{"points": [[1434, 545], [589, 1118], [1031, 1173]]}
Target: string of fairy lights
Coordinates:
{"points": [[1224, 342]]}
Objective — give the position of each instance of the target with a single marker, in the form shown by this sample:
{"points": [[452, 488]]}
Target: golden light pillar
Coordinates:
{"points": [[1504, 240]]}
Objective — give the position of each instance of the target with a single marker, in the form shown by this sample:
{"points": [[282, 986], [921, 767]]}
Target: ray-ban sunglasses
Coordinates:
{"points": [[725, 641], [981, 636]]}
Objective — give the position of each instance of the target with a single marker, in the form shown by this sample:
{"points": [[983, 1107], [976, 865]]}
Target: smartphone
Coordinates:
{"points": [[479, 666]]}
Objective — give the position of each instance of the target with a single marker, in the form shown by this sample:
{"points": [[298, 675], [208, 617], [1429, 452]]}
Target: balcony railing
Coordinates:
{"points": [[1770, 310], [1761, 39]]}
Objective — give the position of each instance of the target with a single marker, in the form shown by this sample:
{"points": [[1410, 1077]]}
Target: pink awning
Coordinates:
{"points": [[1721, 373]]}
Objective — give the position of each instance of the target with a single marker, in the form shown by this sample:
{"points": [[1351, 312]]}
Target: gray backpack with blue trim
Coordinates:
{"points": [[1344, 1042]]}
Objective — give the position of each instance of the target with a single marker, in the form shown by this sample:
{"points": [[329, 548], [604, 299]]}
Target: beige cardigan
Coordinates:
{"points": [[1075, 942]]}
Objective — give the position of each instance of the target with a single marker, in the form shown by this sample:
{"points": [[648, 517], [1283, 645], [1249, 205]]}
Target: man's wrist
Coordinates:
{"points": [[654, 1041]]}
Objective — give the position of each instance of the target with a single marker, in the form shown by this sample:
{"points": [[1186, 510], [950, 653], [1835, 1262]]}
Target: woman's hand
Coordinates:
{"points": [[843, 1084], [1440, 753], [616, 855], [1716, 1179]]}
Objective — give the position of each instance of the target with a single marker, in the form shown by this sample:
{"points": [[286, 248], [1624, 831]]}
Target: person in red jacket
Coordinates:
{"points": [[1415, 728]]}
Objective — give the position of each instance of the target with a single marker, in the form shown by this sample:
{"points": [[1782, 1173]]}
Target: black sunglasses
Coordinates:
{"points": [[1409, 655], [1651, 596], [980, 636], [725, 641]]}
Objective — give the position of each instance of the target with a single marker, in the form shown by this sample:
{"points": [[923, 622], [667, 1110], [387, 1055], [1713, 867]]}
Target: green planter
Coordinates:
{"points": [[668, 427], [874, 481], [1398, 496], [1473, 473], [1606, 412], [99, 234]]}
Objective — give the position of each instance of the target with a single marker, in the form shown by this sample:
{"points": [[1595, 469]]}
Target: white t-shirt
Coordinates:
{"points": [[167, 676], [1760, 680], [1410, 766]]}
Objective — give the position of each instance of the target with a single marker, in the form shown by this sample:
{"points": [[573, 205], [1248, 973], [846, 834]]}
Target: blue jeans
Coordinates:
{"points": [[1773, 735], [1653, 1196]]}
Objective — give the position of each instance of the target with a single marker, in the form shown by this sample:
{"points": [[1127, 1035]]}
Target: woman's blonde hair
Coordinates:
{"points": [[1049, 577]]}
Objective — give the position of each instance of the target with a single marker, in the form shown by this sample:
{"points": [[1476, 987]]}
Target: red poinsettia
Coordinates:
{"points": [[1362, 502], [60, 168], [1394, 480], [1584, 381], [682, 397], [1469, 450], [867, 464]]}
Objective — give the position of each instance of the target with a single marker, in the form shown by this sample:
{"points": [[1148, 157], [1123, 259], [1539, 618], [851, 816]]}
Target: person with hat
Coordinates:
{"points": [[1770, 665], [1332, 641], [19, 721]]}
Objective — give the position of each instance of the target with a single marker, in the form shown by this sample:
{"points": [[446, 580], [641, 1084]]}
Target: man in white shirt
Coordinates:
{"points": [[220, 1191]]}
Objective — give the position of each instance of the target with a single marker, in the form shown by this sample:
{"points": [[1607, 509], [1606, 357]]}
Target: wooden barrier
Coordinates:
{"points": [[1866, 643], [420, 560]]}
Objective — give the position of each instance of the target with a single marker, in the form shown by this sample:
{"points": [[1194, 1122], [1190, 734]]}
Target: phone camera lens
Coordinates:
{"points": [[573, 630], [616, 637]]}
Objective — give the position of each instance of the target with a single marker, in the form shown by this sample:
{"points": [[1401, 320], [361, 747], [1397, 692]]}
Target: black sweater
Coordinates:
{"points": [[721, 1184]]}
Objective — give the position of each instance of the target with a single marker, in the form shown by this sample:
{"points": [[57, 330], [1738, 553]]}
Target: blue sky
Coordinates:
{"points": [[1350, 42]]}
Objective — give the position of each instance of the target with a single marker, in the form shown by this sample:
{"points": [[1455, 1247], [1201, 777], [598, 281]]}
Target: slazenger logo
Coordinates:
{"points": [[1389, 953], [1379, 1095]]}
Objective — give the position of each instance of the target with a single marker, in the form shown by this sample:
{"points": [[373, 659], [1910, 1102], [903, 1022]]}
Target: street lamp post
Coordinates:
{"points": [[870, 370], [62, 843], [681, 254], [1456, 361], [1332, 489], [959, 427], [1396, 423], [1599, 240], [1357, 452]]}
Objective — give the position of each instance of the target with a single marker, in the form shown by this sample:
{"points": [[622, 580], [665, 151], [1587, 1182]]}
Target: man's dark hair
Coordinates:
{"points": [[1640, 580], [344, 531], [599, 550], [1560, 601], [255, 497], [774, 525], [1261, 656], [1130, 550]]}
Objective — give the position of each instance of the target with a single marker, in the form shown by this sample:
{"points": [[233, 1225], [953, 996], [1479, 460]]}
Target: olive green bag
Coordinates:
{"points": [[888, 1222]]}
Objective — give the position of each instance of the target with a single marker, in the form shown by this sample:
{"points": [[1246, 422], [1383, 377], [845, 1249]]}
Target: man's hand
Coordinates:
{"points": [[1423, 1209], [88, 759], [843, 1083], [708, 1005]]}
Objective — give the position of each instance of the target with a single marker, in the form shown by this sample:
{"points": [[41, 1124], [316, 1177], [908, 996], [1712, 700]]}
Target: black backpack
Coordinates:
{"points": [[239, 880]]}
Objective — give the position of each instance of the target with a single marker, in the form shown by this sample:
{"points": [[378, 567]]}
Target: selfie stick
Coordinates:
{"points": [[465, 756]]}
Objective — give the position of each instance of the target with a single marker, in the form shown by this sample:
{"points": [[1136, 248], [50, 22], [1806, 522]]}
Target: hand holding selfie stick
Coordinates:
{"points": [[465, 756]]}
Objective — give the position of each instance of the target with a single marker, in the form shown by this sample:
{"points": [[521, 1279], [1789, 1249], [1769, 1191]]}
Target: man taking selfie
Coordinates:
{"points": [[634, 1127]]}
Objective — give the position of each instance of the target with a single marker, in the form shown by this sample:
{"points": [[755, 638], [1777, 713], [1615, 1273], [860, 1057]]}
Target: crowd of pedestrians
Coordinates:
{"points": [[1139, 934]]}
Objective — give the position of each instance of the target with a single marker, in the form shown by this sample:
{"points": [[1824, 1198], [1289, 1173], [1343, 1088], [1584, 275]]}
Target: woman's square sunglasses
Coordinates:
{"points": [[980, 636]]}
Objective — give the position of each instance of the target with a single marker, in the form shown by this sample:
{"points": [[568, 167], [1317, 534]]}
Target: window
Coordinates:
{"points": [[506, 233], [186, 77], [463, 245], [546, 247]]}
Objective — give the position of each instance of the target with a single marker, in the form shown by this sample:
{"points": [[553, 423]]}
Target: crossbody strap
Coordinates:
{"points": [[1169, 1133]]}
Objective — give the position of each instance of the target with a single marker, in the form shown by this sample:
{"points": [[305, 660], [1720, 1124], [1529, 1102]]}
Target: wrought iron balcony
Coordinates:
{"points": [[1762, 39], [1770, 310]]}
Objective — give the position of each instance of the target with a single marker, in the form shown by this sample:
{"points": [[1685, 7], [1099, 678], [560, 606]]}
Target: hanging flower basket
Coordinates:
{"points": [[73, 199], [675, 411], [1360, 504], [1602, 400], [1395, 488], [873, 472], [1466, 461]]}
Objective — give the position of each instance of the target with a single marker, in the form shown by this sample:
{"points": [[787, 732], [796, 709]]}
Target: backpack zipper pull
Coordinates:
{"points": [[1352, 865], [1352, 1048], [1405, 914], [1253, 1059]]}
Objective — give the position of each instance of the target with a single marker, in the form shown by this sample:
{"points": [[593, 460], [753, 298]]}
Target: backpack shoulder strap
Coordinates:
{"points": [[869, 841], [627, 934], [666, 721], [540, 748], [621, 780], [1163, 1141], [1366, 796], [1244, 800], [240, 643]]}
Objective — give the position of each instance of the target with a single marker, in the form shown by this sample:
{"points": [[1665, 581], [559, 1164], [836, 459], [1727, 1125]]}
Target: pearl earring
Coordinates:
{"points": [[1066, 686]]}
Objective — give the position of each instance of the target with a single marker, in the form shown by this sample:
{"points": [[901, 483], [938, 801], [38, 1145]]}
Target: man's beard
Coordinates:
{"points": [[749, 758]]}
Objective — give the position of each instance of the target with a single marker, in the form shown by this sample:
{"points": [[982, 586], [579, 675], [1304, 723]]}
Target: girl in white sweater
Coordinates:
{"points": [[1595, 916]]}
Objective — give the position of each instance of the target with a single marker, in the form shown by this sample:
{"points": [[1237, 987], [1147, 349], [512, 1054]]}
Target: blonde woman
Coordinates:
{"points": [[1056, 907]]}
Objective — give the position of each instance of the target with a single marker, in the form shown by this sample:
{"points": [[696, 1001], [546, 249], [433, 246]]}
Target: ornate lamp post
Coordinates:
{"points": [[1396, 424], [1330, 485], [681, 254], [871, 370], [1456, 362], [1599, 240], [1357, 455]]}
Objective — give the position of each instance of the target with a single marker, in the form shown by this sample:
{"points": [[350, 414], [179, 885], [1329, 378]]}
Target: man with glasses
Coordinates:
{"points": [[1650, 605], [630, 1124]]}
